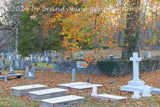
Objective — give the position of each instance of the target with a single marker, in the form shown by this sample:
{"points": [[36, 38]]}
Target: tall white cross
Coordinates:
{"points": [[136, 61]]}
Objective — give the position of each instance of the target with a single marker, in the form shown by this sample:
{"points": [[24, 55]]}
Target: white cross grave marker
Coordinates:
{"points": [[136, 61], [136, 84]]}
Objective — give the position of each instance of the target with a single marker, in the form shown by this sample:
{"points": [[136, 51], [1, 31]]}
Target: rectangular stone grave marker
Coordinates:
{"points": [[24, 90], [83, 87], [47, 93], [110, 97], [4, 77], [68, 85], [64, 101]]}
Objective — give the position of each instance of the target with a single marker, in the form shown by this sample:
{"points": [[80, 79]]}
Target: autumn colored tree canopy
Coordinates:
{"points": [[126, 24]]}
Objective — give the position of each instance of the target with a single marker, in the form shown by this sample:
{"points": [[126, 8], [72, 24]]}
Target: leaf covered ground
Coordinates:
{"points": [[111, 85]]}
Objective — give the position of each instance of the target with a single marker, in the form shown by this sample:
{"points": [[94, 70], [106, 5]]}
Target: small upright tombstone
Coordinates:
{"points": [[118, 57], [11, 66], [81, 55], [146, 91], [87, 80], [36, 58], [28, 62], [149, 55], [145, 54], [17, 64], [27, 70], [3, 62], [73, 74], [94, 91], [22, 67], [136, 95], [31, 73]]}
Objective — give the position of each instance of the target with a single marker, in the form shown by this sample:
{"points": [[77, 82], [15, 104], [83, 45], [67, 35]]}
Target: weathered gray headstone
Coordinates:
{"points": [[11, 66], [73, 74], [31, 73], [145, 54], [3, 62], [149, 55], [17, 64], [22, 66], [27, 70]]}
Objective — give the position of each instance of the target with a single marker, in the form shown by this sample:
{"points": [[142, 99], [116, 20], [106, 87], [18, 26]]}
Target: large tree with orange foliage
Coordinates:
{"points": [[93, 23]]}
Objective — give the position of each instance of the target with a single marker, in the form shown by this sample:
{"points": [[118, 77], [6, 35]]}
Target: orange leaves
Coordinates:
{"points": [[144, 28]]}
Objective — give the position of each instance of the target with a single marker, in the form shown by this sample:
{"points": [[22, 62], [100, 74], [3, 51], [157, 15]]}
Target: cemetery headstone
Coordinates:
{"points": [[136, 95], [136, 84], [146, 91], [73, 74], [22, 67], [87, 80], [31, 73], [36, 58], [28, 62], [17, 64], [49, 59], [27, 70], [59, 57], [145, 54], [43, 57], [3, 62], [11, 66], [149, 55], [118, 57]]}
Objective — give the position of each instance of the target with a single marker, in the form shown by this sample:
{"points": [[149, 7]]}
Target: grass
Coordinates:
{"points": [[42, 65]]}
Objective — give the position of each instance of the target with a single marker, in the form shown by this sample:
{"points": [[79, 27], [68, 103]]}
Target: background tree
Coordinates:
{"points": [[12, 12], [31, 39]]}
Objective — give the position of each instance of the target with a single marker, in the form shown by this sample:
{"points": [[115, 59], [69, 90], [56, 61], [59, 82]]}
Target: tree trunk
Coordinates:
{"points": [[132, 30]]}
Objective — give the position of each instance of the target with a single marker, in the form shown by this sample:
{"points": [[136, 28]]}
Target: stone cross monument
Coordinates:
{"points": [[136, 84]]}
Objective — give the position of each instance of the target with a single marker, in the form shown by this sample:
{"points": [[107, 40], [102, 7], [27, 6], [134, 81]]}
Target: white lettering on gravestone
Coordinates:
{"points": [[136, 61]]}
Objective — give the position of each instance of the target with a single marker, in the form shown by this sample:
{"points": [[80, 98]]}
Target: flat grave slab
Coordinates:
{"points": [[23, 90], [110, 97], [4, 77], [155, 91], [47, 93], [68, 85], [82, 87], [64, 101]]}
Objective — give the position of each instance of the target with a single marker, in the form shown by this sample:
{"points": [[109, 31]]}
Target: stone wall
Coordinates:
{"points": [[110, 67], [67, 66]]}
